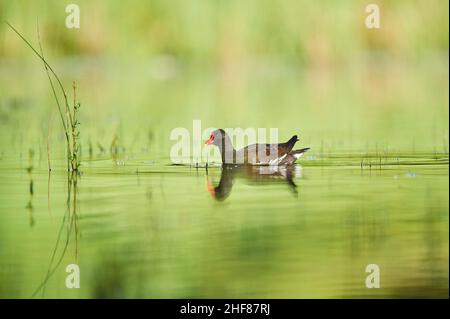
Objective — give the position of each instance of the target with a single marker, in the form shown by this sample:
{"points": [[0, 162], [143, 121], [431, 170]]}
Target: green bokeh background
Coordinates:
{"points": [[305, 67]]}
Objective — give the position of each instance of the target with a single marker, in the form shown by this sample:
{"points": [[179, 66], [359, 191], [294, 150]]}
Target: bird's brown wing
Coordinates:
{"points": [[262, 153]]}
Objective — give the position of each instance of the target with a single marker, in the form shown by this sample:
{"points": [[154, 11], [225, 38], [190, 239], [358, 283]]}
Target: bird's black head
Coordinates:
{"points": [[217, 137]]}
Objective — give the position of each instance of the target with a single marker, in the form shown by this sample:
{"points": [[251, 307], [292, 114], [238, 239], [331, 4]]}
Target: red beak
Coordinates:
{"points": [[210, 141]]}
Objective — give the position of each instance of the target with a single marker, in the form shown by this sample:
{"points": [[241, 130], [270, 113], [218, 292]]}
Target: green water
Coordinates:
{"points": [[161, 233]]}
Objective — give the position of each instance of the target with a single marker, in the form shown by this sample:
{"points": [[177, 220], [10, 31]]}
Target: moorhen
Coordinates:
{"points": [[255, 154]]}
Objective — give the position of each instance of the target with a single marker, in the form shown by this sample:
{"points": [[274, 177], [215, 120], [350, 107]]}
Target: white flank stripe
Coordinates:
{"points": [[277, 160]]}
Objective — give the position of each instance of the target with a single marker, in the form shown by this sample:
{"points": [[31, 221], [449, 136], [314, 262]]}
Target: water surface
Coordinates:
{"points": [[153, 230]]}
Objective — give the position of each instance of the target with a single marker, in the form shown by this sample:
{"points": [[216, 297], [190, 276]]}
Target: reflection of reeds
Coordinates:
{"points": [[70, 122], [29, 206], [70, 220]]}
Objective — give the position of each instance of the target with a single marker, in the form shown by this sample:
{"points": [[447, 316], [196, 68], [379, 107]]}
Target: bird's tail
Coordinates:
{"points": [[299, 153], [292, 141]]}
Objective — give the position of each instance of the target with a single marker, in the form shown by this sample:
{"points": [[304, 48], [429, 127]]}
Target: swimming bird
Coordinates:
{"points": [[255, 154]]}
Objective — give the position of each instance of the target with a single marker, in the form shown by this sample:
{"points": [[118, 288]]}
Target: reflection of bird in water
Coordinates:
{"points": [[258, 175], [255, 154]]}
